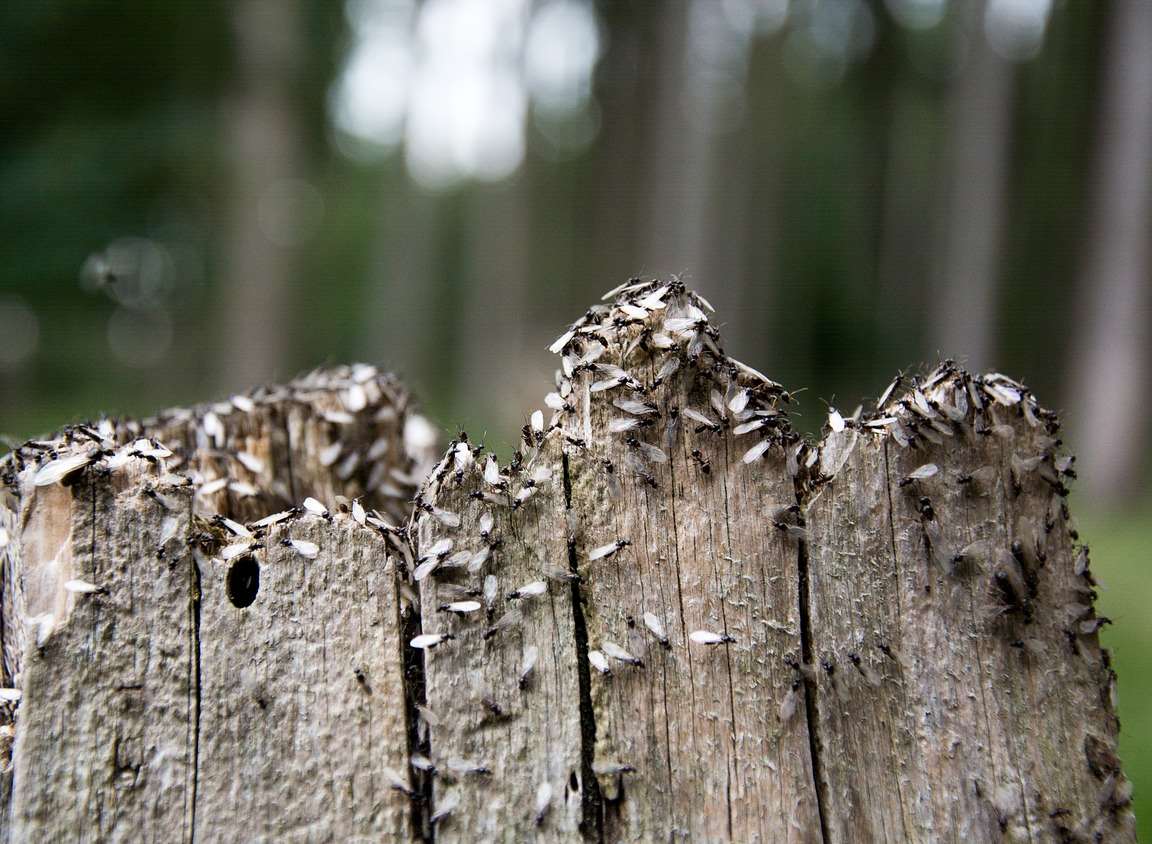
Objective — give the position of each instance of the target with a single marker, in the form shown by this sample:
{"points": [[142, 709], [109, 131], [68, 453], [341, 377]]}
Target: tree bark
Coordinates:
{"points": [[669, 617]]}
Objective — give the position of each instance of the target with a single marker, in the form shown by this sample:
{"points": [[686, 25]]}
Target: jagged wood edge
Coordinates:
{"points": [[905, 419], [111, 445]]}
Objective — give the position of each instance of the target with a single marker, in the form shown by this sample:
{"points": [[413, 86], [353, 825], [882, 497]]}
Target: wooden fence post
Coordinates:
{"points": [[669, 617], [184, 675], [955, 648], [887, 635]]}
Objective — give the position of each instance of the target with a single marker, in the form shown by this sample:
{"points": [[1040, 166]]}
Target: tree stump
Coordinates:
{"points": [[183, 675], [669, 617]]}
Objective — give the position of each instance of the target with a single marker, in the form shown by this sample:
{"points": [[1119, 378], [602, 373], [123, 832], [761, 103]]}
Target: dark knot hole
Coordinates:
{"points": [[243, 581]]}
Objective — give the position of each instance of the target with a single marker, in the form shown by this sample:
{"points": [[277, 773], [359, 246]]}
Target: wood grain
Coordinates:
{"points": [[524, 736], [699, 723], [155, 708], [301, 693], [989, 720], [886, 635], [105, 745]]}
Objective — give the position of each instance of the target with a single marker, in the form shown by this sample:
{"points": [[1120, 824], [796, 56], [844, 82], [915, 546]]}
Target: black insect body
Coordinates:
{"points": [[866, 671], [702, 462]]}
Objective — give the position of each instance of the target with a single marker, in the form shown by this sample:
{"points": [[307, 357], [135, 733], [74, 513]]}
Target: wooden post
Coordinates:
{"points": [[182, 675], [699, 722], [669, 617], [105, 741], [332, 432], [954, 643], [525, 736]]}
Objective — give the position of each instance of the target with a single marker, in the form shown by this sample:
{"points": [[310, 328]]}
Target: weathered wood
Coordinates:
{"points": [[989, 716], [527, 736], [105, 742], [691, 744], [301, 693], [865, 696], [343, 431], [166, 704], [699, 723], [884, 636]]}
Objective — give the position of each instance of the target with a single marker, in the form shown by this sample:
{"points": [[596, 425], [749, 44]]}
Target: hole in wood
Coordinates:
{"points": [[243, 581]]}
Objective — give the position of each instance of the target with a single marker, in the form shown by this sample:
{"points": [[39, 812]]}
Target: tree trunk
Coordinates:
{"points": [[263, 143], [981, 130], [168, 699], [492, 303], [1112, 347], [670, 617]]}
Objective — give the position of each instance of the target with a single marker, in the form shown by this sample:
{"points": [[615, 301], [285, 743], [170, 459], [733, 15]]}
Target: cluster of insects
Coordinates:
{"points": [[988, 447], [641, 354], [370, 441], [99, 448], [986, 416], [352, 424], [634, 359], [642, 383], [222, 454], [635, 375]]}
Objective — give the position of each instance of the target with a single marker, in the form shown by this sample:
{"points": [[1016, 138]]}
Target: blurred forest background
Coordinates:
{"points": [[200, 195]]}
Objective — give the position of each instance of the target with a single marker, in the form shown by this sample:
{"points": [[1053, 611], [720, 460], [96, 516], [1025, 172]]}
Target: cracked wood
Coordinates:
{"points": [[895, 637]]}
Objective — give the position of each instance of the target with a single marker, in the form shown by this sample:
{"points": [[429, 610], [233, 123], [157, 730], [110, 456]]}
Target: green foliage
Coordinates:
{"points": [[1120, 559]]}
